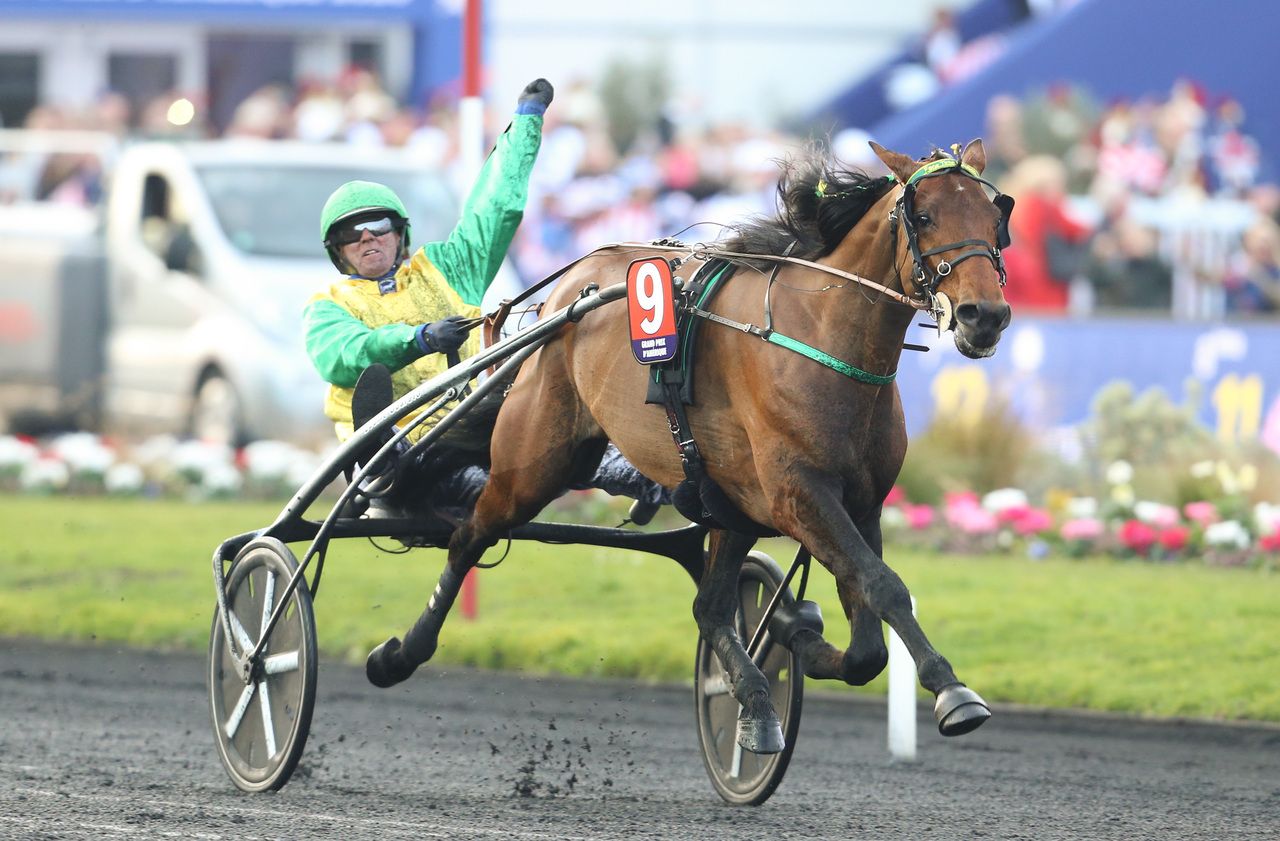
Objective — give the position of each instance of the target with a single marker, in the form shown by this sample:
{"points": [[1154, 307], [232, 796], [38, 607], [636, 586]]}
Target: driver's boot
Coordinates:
{"points": [[371, 395]]}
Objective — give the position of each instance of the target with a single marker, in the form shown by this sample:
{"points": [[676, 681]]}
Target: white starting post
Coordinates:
{"points": [[902, 697]]}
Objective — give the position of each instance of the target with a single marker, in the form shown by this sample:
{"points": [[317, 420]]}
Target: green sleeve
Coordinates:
{"points": [[470, 257], [341, 346]]}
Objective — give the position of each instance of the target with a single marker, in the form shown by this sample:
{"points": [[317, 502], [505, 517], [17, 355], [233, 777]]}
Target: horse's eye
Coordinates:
{"points": [[923, 220]]}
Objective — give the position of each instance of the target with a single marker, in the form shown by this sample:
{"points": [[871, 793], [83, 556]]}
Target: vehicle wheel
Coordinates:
{"points": [[261, 727], [741, 777], [215, 412]]}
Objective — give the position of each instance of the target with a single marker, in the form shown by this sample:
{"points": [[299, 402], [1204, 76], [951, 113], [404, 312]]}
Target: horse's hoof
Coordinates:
{"points": [[386, 665], [959, 710], [761, 736]]}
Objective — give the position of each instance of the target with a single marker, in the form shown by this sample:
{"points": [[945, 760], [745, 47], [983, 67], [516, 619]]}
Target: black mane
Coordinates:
{"points": [[818, 204]]}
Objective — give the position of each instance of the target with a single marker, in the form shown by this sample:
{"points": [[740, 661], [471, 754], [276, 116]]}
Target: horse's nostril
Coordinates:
{"points": [[968, 314], [984, 315]]}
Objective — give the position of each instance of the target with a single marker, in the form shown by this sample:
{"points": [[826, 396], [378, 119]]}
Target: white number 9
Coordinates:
{"points": [[649, 297]]}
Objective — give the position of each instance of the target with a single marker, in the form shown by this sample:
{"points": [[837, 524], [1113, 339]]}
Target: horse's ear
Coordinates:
{"points": [[974, 155], [899, 164]]}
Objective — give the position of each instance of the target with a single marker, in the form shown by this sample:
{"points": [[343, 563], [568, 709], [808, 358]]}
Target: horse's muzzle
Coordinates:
{"points": [[979, 325]]}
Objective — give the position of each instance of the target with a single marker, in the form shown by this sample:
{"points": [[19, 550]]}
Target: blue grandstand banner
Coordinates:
{"points": [[1049, 372]]}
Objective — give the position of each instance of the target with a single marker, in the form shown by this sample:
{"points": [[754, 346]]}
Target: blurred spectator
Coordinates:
{"points": [[1005, 142], [1252, 283], [941, 43], [1125, 270], [1233, 158], [1048, 247]]}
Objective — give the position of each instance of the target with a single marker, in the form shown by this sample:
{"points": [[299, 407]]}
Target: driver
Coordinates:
{"points": [[391, 323]]}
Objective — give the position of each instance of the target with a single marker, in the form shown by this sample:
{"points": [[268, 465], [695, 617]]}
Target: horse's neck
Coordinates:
{"points": [[870, 327]]}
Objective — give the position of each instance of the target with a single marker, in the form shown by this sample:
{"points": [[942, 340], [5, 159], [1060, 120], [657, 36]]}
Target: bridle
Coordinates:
{"points": [[926, 279]]}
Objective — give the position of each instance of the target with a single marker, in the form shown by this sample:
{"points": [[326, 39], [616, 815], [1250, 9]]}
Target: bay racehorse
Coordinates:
{"points": [[805, 448]]}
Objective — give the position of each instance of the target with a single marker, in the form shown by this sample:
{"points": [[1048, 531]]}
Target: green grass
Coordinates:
{"points": [[1129, 637]]}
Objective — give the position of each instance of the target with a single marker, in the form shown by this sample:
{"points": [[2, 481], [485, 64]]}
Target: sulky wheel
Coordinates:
{"points": [[260, 726], [741, 777]]}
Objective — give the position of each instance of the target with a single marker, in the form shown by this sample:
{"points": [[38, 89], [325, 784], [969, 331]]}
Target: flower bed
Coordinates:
{"points": [[1228, 531], [83, 463]]}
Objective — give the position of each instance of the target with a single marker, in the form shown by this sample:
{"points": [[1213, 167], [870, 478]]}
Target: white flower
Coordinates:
{"points": [[1155, 513], [268, 460], [1202, 469], [196, 459], [1082, 508], [45, 474], [1228, 534], [893, 518], [1266, 517], [16, 454], [123, 478], [83, 453], [1004, 499], [221, 478], [1120, 472]]}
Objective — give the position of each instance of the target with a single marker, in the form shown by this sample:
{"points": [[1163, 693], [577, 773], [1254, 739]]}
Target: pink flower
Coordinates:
{"points": [[1270, 542], [1137, 536], [959, 507], [919, 517], [1201, 513], [896, 496], [1174, 538], [975, 521], [1033, 521], [1084, 528], [960, 499], [1013, 514]]}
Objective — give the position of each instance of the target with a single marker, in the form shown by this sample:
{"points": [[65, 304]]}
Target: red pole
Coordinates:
{"points": [[471, 52], [468, 595], [472, 149]]}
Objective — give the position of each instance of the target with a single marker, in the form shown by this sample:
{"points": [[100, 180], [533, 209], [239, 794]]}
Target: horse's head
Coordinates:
{"points": [[948, 220]]}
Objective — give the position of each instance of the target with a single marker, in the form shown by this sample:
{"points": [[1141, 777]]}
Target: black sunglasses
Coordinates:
{"points": [[354, 233]]}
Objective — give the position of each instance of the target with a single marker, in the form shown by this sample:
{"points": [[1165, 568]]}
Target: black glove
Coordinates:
{"points": [[535, 97], [445, 335]]}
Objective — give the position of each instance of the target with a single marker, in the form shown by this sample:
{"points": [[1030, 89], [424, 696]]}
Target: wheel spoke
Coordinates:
{"points": [[267, 598], [735, 767], [233, 723], [268, 729], [276, 664], [242, 636]]}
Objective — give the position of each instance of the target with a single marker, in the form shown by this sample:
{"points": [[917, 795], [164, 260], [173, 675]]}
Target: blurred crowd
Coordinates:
{"points": [[1159, 204]]}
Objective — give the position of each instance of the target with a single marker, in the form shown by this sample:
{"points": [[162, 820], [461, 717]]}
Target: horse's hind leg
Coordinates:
{"points": [[714, 609], [529, 470]]}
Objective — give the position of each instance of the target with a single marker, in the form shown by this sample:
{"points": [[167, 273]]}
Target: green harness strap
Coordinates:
{"points": [[822, 358], [775, 338]]}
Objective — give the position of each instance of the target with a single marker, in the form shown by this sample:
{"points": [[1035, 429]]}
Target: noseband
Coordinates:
{"points": [[927, 279]]}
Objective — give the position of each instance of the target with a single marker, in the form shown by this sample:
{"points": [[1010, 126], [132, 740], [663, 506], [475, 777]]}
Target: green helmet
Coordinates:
{"points": [[358, 198]]}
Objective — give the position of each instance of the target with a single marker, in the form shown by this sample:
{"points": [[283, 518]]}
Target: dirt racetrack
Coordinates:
{"points": [[110, 743]]}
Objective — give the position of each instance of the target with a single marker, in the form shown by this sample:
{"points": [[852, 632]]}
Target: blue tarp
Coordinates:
{"points": [[1114, 48], [1049, 371]]}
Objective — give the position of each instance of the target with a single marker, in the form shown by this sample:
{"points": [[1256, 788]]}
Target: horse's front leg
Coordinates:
{"points": [[866, 656], [715, 609], [812, 512]]}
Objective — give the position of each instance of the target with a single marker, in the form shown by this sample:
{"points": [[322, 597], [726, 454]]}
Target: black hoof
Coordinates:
{"points": [[959, 710], [386, 665], [761, 736]]}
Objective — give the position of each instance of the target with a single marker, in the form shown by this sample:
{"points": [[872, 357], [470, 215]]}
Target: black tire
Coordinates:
{"points": [[261, 751], [739, 776]]}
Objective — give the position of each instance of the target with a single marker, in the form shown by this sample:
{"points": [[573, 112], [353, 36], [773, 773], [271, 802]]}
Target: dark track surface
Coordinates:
{"points": [[108, 743]]}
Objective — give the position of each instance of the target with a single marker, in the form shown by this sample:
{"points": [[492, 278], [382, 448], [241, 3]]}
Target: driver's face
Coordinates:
{"points": [[373, 256]]}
